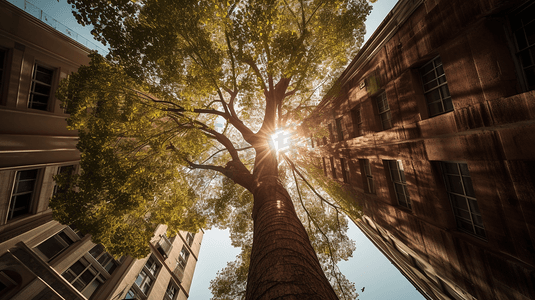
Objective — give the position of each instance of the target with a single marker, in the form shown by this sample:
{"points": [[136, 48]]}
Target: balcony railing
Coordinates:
{"points": [[47, 19], [164, 246]]}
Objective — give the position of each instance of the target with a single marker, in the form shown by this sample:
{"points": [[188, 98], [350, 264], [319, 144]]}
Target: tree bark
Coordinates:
{"points": [[283, 263]]}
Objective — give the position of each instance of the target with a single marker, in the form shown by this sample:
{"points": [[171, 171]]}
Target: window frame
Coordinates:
{"points": [[345, 170], [58, 238], [516, 17], [333, 167], [151, 273], [34, 194], [34, 81], [367, 177], [104, 259], [171, 285], [356, 118], [472, 206], [331, 132], [339, 129], [182, 260], [3, 72], [383, 111], [190, 237], [441, 87], [402, 183], [92, 267]]}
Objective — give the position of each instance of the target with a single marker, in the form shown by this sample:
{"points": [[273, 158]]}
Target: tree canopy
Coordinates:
{"points": [[187, 100]]}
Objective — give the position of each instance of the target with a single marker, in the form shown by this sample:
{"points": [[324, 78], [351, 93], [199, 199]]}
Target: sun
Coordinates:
{"points": [[280, 140]]}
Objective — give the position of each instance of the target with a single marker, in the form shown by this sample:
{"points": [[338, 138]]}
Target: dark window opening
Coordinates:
{"points": [[462, 198], [41, 87], [437, 94], [384, 111], [397, 174]]}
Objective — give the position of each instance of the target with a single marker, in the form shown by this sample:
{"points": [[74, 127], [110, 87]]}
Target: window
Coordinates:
{"points": [[331, 134], [356, 117], [437, 94], [41, 87], [367, 177], [164, 246], [189, 238], [333, 168], [147, 276], [3, 55], [345, 168], [181, 263], [384, 111], [183, 258], [172, 291], [84, 277], [339, 129], [132, 295], [8, 282], [397, 175], [55, 245], [104, 258], [523, 26], [23, 193], [462, 198]]}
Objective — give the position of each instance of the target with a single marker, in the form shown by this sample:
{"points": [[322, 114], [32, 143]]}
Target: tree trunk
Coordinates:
{"points": [[283, 263]]}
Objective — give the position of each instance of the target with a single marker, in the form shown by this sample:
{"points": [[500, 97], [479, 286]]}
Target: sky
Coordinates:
{"points": [[367, 268]]}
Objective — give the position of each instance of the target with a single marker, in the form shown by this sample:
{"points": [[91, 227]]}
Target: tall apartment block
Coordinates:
{"points": [[432, 127], [40, 258]]}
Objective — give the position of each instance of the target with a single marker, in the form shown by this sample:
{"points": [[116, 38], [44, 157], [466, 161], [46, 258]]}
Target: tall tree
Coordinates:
{"points": [[202, 85]]}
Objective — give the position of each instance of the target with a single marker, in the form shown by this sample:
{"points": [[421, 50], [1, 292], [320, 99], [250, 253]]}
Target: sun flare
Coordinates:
{"points": [[280, 140]]}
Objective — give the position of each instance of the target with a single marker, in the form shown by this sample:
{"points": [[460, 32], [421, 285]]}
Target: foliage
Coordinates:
{"points": [[184, 105]]}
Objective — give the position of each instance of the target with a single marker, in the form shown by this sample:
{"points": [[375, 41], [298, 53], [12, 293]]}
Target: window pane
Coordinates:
{"points": [[454, 184], [448, 105], [25, 186], [371, 188], [77, 267], [142, 275], [435, 88], [474, 208], [461, 213], [89, 290], [88, 275], [42, 89], [459, 189], [469, 190], [79, 284], [96, 251], [28, 174], [459, 201], [399, 188], [54, 245]]}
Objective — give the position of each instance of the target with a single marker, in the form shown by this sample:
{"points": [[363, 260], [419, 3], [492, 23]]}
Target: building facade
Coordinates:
{"points": [[40, 258], [432, 128]]}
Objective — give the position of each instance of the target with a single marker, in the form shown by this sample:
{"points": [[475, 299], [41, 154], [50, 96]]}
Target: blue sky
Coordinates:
{"points": [[368, 267]]}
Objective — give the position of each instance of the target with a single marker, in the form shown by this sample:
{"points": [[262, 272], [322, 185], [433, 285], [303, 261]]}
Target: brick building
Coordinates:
{"points": [[432, 127], [40, 258]]}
